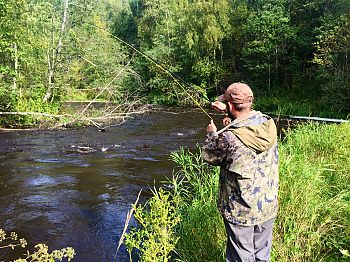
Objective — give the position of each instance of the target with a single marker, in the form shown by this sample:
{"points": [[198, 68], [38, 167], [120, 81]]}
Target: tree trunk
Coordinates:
{"points": [[14, 87], [53, 61], [269, 86]]}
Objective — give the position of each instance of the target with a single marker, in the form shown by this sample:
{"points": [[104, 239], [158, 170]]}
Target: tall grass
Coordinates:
{"points": [[313, 223], [201, 230], [282, 104], [314, 215]]}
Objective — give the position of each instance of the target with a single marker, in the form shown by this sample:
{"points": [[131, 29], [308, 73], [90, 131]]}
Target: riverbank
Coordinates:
{"points": [[313, 223], [102, 113]]}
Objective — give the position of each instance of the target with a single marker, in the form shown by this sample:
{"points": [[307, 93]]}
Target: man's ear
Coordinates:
{"points": [[230, 105]]}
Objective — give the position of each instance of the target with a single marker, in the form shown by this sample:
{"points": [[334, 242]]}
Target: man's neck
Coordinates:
{"points": [[241, 114]]}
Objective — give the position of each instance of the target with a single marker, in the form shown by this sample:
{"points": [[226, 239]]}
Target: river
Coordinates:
{"points": [[73, 187]]}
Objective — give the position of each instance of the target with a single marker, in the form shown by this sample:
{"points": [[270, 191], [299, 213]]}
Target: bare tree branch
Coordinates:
{"points": [[34, 114], [114, 78], [127, 221]]}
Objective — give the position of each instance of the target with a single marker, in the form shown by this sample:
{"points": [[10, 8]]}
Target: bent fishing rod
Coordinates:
{"points": [[175, 78]]}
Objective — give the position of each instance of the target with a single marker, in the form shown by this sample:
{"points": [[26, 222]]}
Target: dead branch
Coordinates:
{"points": [[34, 114], [114, 78], [127, 221], [120, 116], [129, 107], [87, 60]]}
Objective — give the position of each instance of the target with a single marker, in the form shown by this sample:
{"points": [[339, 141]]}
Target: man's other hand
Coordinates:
{"points": [[211, 127], [226, 121], [219, 106]]}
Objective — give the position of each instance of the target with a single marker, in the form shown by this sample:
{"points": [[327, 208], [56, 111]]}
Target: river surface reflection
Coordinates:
{"points": [[73, 187]]}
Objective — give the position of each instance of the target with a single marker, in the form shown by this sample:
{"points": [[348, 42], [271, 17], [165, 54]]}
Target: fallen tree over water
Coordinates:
{"points": [[100, 118]]}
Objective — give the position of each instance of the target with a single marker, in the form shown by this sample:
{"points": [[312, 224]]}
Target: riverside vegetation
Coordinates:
{"points": [[181, 222], [293, 53], [41, 254]]}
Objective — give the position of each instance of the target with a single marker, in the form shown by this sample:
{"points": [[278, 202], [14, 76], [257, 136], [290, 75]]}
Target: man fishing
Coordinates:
{"points": [[246, 151]]}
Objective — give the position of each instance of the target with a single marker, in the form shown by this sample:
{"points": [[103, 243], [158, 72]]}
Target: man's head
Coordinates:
{"points": [[238, 93], [239, 98]]}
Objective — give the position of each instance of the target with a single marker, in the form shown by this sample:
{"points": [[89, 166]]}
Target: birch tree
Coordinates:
{"points": [[53, 54]]}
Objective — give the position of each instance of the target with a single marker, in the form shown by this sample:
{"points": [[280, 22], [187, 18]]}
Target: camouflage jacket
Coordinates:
{"points": [[246, 151]]}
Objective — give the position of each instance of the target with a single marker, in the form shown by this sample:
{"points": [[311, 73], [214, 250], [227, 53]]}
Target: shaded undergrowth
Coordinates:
{"points": [[285, 105]]}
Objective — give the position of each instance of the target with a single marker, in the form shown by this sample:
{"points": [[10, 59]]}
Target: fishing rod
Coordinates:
{"points": [[175, 78], [310, 118]]}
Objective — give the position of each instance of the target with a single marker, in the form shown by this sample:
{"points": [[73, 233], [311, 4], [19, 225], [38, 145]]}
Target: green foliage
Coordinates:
{"points": [[201, 230], [35, 104], [204, 24], [278, 47], [280, 104], [183, 222], [11, 27], [331, 55], [101, 60], [8, 102], [267, 43], [155, 239], [124, 24], [88, 61], [42, 253], [268, 31], [185, 36], [313, 221]]}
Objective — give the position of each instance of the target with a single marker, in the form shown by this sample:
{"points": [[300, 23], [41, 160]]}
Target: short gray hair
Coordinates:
{"points": [[242, 107]]}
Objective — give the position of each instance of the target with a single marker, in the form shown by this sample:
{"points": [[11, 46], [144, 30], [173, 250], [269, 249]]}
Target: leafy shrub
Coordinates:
{"points": [[8, 103], [42, 253], [155, 238]]}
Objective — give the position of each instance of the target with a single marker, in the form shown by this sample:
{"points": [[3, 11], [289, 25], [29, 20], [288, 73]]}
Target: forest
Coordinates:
{"points": [[293, 53]]}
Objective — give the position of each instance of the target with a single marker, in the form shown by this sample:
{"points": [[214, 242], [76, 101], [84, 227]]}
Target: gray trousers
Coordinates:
{"points": [[249, 244]]}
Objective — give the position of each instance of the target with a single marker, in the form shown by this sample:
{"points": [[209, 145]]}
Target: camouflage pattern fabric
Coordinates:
{"points": [[248, 184]]}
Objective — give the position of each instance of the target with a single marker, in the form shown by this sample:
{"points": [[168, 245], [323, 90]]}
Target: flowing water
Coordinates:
{"points": [[73, 187]]}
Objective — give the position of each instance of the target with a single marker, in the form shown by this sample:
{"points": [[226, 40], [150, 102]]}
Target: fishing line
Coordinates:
{"points": [[172, 75]]}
